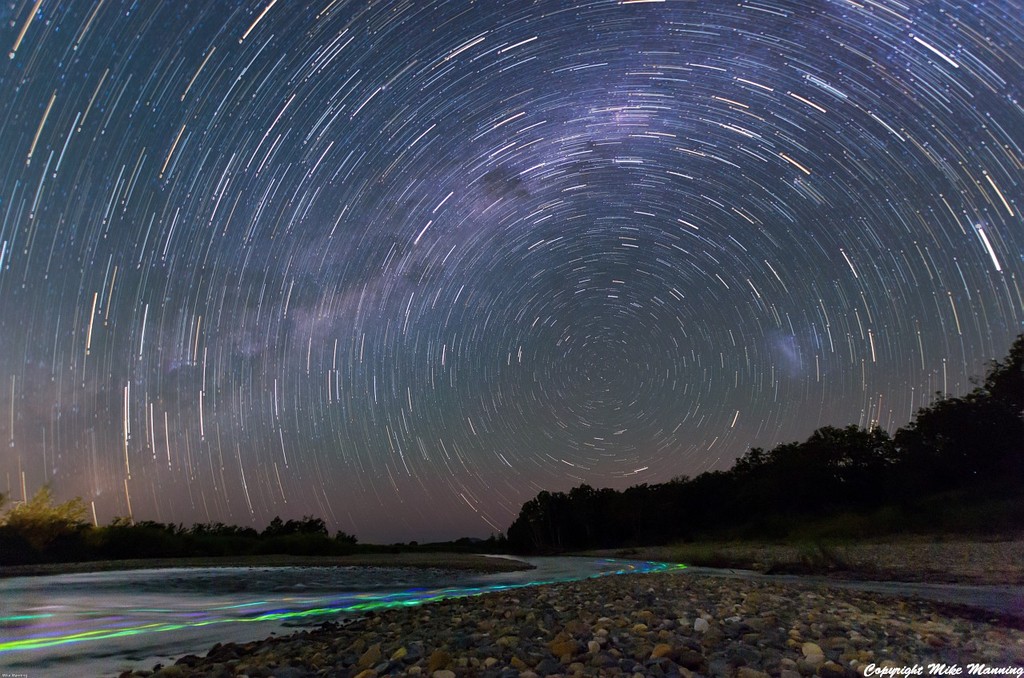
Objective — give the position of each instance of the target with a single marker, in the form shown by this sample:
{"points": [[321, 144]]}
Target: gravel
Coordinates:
{"points": [[631, 625], [965, 561]]}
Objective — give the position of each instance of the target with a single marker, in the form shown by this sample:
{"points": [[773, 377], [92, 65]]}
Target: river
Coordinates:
{"points": [[102, 623]]}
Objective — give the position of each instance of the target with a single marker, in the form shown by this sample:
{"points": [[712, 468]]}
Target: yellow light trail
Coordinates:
{"points": [[258, 20], [24, 29]]}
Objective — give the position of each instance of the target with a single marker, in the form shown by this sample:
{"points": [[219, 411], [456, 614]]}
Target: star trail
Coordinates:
{"points": [[404, 264]]}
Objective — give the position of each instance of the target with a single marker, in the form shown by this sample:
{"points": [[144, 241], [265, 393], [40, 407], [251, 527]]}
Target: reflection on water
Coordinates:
{"points": [[103, 622]]}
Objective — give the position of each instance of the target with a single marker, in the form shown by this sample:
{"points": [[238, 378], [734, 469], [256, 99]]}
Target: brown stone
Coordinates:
{"points": [[507, 641], [563, 647], [370, 657], [831, 670], [439, 659]]}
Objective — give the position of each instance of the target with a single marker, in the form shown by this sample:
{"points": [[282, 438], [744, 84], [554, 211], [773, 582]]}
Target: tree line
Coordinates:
{"points": [[958, 465], [40, 531]]}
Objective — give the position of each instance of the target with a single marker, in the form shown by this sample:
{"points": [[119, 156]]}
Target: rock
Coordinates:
{"points": [[593, 647], [442, 673], [789, 673], [548, 666], [747, 672], [563, 646], [370, 657], [700, 625], [719, 668], [712, 638], [741, 655], [508, 641], [399, 654], [661, 650], [815, 660], [368, 673], [806, 668], [439, 659], [810, 649], [831, 670]]}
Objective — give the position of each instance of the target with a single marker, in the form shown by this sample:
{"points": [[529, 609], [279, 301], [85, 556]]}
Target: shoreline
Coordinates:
{"points": [[674, 624], [925, 559], [440, 560]]}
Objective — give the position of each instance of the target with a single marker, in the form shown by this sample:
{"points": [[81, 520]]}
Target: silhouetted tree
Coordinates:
{"points": [[275, 528], [40, 521], [346, 538], [1005, 379], [962, 442]]}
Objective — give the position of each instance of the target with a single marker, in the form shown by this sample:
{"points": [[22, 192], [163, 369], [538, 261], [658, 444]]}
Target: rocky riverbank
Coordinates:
{"points": [[634, 625], [963, 561]]}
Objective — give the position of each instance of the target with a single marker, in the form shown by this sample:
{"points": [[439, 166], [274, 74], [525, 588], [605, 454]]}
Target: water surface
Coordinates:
{"points": [[102, 623]]}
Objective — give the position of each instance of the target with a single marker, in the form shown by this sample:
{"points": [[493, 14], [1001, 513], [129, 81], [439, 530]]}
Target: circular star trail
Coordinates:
{"points": [[404, 264]]}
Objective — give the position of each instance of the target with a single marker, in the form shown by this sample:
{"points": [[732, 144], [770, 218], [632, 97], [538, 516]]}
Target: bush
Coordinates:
{"points": [[40, 522]]}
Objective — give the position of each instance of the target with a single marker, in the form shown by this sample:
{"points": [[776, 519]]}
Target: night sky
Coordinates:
{"points": [[403, 264]]}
